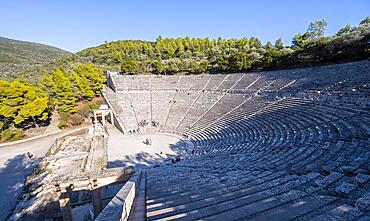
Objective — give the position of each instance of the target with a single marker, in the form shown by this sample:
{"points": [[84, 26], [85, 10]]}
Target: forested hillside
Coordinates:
{"points": [[16, 56], [196, 55]]}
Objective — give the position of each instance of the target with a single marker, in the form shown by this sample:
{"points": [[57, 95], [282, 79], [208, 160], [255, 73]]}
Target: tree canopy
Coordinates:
{"points": [[21, 103], [198, 55], [66, 87], [316, 29]]}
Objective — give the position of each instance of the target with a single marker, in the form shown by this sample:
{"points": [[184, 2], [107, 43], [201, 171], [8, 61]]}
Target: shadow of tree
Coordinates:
{"points": [[142, 160], [12, 175]]}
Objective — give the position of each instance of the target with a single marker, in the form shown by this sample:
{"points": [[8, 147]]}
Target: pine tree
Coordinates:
{"points": [[65, 100], [93, 75], [366, 21], [279, 44], [82, 87], [128, 65], [316, 29], [299, 40], [158, 67], [343, 30], [23, 103]]}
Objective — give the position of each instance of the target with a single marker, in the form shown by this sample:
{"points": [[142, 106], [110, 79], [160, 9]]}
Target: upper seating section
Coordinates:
{"points": [[180, 103], [342, 79]]}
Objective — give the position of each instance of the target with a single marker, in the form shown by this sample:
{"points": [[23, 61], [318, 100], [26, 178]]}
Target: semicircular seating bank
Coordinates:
{"points": [[281, 145]]}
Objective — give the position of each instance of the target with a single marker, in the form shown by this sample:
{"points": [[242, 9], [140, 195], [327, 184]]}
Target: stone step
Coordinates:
{"points": [[340, 213]]}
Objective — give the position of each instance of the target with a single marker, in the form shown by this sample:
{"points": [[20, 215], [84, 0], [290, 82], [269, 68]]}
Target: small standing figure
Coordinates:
{"points": [[29, 155]]}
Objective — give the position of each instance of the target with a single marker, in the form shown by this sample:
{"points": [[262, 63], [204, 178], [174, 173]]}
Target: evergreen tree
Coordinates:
{"points": [[158, 67], [269, 45], [255, 43], [299, 40], [94, 76], [64, 97], [23, 103], [128, 65], [279, 44], [202, 66], [343, 30], [83, 88], [316, 29], [366, 21], [239, 61], [48, 85]]}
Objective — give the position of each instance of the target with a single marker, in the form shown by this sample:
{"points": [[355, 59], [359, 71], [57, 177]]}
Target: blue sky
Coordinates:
{"points": [[74, 25]]}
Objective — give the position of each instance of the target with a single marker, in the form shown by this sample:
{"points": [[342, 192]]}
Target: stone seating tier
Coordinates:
{"points": [[257, 155]]}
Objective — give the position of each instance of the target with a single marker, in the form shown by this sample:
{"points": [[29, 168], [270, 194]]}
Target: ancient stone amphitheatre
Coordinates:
{"points": [[280, 145]]}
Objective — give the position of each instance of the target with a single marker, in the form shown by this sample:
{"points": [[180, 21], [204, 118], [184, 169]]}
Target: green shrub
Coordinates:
{"points": [[11, 134], [128, 65], [76, 119], [84, 111], [93, 106], [62, 124], [2, 125]]}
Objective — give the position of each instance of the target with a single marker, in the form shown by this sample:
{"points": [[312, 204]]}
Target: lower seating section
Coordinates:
{"points": [[266, 146], [289, 160]]}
